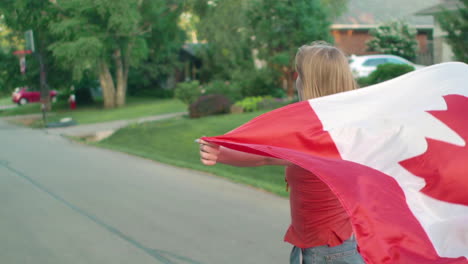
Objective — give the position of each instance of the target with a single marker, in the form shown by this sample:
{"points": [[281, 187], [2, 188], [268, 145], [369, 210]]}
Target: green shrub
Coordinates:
{"points": [[258, 82], [249, 104], [254, 103], [188, 92], [232, 90], [84, 97], [269, 103], [385, 72], [363, 81], [83, 94], [211, 104], [63, 96], [156, 92], [278, 93]]}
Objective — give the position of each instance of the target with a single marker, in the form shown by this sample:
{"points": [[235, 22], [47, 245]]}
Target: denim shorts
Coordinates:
{"points": [[345, 253]]}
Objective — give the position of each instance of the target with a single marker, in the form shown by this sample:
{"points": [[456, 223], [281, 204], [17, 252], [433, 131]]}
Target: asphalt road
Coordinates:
{"points": [[63, 202]]}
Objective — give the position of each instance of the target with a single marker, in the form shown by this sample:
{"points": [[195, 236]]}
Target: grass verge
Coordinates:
{"points": [[5, 101], [135, 108], [172, 141]]}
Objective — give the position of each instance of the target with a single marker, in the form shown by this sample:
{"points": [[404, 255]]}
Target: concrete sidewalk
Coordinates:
{"points": [[105, 129], [3, 107]]}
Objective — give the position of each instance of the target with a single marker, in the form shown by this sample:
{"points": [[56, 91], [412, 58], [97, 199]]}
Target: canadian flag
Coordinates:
{"points": [[395, 154]]}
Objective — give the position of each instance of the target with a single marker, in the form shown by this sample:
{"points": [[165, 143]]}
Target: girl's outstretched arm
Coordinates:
{"points": [[210, 154]]}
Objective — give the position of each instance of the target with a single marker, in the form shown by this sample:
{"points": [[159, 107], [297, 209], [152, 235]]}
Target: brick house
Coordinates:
{"points": [[351, 30], [442, 51]]}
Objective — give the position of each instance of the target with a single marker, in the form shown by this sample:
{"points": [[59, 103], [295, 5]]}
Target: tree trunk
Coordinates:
{"points": [[288, 74], [121, 73], [107, 85]]}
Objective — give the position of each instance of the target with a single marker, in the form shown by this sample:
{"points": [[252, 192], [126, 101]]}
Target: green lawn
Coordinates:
{"points": [[5, 101], [172, 141], [31, 108], [22, 110], [135, 108]]}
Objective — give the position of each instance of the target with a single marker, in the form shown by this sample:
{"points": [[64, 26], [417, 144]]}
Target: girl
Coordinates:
{"points": [[320, 229]]}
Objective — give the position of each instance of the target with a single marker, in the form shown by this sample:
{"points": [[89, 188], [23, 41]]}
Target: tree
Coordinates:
{"points": [[164, 43], [9, 39], [335, 7], [395, 38], [280, 27], [455, 23], [22, 15], [9, 73], [107, 36], [222, 24], [9, 68]]}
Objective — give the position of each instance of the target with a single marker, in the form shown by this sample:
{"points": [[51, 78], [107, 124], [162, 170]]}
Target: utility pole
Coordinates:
{"points": [[45, 95]]}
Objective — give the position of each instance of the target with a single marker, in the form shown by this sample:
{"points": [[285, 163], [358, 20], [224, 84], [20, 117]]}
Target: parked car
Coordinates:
{"points": [[362, 66], [22, 96]]}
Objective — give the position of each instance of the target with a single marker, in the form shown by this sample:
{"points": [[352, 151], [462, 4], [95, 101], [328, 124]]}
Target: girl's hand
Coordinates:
{"points": [[209, 152]]}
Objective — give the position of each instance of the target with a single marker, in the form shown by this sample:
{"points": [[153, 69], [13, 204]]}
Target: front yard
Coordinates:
{"points": [[135, 108], [172, 141]]}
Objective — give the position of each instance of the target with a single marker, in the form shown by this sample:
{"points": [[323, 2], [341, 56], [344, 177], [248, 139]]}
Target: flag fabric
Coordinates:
{"points": [[395, 154]]}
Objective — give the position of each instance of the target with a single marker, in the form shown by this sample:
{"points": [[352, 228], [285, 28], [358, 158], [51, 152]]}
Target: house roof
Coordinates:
{"points": [[449, 5], [370, 13]]}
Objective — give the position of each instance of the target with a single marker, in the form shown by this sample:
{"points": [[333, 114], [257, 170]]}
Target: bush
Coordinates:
{"points": [[395, 37], [84, 97], [83, 94], [269, 103], [156, 92], [254, 103], [211, 104], [363, 81], [278, 93], [232, 90], [385, 72], [188, 92], [258, 83], [249, 104]]}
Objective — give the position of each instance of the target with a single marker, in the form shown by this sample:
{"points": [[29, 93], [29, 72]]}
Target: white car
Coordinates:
{"points": [[362, 66]]}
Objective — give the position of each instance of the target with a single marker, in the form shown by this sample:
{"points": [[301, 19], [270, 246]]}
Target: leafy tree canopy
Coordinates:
{"points": [[455, 23], [395, 37], [280, 27]]}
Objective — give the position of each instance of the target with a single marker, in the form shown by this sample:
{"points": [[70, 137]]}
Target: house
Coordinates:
{"points": [[191, 61], [442, 51], [351, 29]]}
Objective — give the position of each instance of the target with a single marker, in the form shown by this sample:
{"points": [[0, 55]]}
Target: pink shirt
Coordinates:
{"points": [[317, 216]]}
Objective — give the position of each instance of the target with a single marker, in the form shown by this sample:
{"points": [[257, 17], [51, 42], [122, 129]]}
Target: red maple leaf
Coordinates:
{"points": [[444, 166]]}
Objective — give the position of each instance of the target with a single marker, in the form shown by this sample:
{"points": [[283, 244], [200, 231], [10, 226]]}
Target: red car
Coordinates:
{"points": [[22, 96]]}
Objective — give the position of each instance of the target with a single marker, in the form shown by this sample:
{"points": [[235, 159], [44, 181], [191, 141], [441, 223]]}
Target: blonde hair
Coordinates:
{"points": [[323, 70]]}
